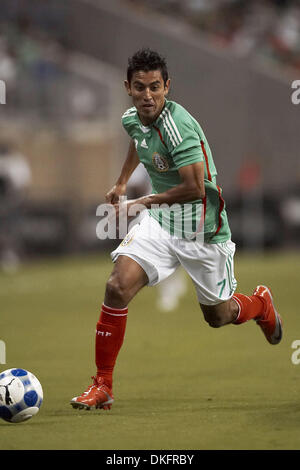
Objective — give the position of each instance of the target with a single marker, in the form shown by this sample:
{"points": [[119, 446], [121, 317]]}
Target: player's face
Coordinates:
{"points": [[148, 92]]}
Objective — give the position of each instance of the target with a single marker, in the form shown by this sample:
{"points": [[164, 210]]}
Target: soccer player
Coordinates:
{"points": [[175, 152]]}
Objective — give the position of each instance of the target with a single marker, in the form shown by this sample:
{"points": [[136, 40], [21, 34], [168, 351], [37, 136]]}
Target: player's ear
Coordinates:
{"points": [[128, 88], [167, 86]]}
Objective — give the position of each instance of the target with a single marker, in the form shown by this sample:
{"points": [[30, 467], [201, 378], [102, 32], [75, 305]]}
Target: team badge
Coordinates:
{"points": [[159, 162], [129, 237]]}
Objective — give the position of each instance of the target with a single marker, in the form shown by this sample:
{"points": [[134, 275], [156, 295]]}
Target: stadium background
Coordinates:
{"points": [[232, 64]]}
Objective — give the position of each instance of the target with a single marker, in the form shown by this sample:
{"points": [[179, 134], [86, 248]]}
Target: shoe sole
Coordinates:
{"points": [[277, 335], [106, 405]]}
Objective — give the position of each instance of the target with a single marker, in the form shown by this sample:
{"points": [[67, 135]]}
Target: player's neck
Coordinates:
{"points": [[147, 122]]}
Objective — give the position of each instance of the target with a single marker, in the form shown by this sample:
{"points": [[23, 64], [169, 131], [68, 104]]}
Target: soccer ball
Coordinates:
{"points": [[21, 395]]}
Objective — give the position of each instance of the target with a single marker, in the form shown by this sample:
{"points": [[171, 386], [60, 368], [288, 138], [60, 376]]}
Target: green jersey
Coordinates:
{"points": [[175, 139]]}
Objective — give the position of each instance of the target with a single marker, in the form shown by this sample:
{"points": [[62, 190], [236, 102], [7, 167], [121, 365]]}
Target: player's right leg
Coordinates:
{"points": [[126, 280], [142, 258]]}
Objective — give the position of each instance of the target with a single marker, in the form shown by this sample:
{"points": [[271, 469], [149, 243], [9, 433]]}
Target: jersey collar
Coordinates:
{"points": [[146, 129]]}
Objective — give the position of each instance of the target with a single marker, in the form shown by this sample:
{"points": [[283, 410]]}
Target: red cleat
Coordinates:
{"points": [[270, 322], [97, 395]]}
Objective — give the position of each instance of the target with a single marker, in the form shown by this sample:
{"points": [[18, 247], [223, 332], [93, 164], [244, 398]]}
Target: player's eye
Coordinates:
{"points": [[155, 86]]}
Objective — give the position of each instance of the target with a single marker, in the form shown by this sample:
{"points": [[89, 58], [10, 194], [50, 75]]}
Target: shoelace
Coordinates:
{"points": [[95, 384]]}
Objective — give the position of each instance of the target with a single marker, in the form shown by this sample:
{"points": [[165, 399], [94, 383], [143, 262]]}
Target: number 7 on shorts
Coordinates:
{"points": [[222, 284]]}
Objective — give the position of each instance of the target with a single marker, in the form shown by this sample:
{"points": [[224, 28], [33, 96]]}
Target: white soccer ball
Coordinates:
{"points": [[21, 395]]}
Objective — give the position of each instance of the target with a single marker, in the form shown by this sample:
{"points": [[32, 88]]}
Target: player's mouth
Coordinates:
{"points": [[148, 106]]}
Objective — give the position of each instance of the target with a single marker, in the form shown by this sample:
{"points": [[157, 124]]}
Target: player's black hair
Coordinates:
{"points": [[146, 59]]}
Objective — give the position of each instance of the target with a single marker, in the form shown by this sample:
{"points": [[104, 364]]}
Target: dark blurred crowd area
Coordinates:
{"points": [[269, 29], [34, 52], [34, 65], [30, 52]]}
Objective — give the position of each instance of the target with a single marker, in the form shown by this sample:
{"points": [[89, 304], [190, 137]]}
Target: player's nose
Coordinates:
{"points": [[147, 95]]}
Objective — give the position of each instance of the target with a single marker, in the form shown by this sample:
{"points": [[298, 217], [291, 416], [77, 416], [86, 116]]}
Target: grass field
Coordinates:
{"points": [[178, 383]]}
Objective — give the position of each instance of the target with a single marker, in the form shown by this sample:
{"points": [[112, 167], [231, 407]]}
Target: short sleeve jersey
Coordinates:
{"points": [[175, 139]]}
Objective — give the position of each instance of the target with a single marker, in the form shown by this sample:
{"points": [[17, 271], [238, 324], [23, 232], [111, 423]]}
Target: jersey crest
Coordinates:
{"points": [[160, 163]]}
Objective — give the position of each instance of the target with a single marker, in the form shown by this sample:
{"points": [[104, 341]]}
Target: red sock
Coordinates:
{"points": [[110, 333], [249, 307]]}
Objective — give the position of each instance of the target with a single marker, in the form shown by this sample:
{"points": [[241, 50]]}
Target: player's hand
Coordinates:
{"points": [[113, 196], [123, 205], [121, 217]]}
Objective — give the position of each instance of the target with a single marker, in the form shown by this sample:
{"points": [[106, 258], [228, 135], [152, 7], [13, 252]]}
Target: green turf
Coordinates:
{"points": [[179, 384]]}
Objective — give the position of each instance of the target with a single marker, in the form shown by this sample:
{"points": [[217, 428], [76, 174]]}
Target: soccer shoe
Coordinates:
{"points": [[270, 322], [97, 395]]}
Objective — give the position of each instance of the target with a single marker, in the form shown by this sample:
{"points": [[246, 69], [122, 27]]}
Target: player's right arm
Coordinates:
{"points": [[130, 164]]}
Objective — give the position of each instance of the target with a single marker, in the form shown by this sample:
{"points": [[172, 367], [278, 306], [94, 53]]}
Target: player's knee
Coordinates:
{"points": [[115, 290], [215, 321], [213, 318], [217, 315]]}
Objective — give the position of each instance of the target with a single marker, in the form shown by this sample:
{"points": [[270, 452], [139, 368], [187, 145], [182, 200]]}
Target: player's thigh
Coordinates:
{"points": [[125, 281], [149, 245], [210, 266]]}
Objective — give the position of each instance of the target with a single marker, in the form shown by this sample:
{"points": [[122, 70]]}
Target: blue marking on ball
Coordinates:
{"points": [[18, 372], [5, 413], [30, 398]]}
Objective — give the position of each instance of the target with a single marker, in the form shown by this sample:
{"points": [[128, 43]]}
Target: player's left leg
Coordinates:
{"points": [[242, 308], [264, 313], [221, 314], [211, 268], [238, 309]]}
